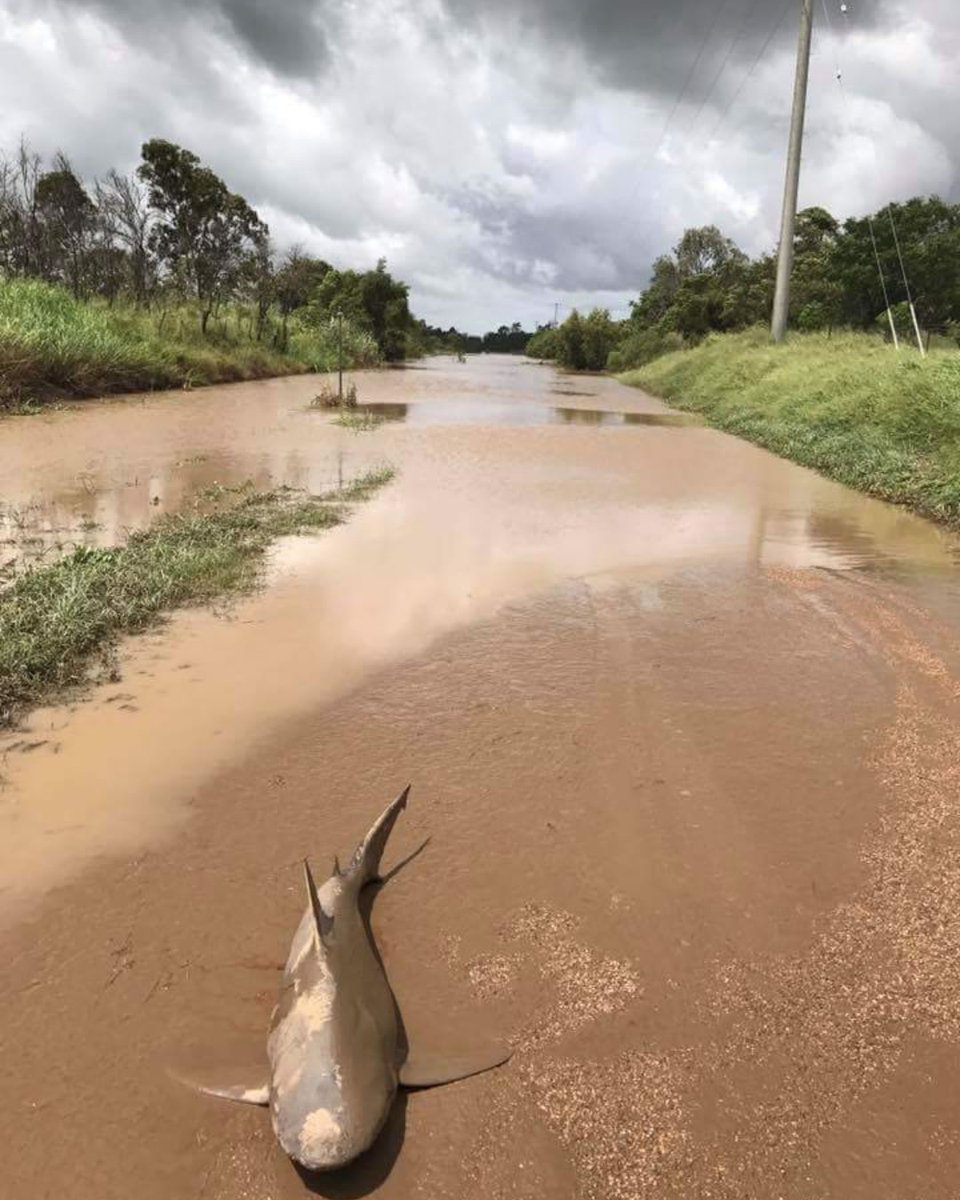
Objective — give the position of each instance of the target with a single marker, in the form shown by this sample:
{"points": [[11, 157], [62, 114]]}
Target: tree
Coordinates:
{"points": [[701, 286], [295, 283], [655, 302], [126, 217], [816, 298], [204, 234], [371, 300], [385, 300], [928, 230], [297, 279], [545, 343], [68, 218], [21, 250], [510, 339], [570, 339], [706, 251], [600, 335]]}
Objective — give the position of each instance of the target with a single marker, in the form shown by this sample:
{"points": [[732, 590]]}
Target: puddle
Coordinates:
{"points": [[500, 495]]}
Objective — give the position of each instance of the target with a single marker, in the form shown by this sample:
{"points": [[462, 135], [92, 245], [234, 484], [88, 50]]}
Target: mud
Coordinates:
{"points": [[681, 721]]}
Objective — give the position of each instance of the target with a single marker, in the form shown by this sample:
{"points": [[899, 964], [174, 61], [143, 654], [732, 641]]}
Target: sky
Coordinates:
{"points": [[504, 156]]}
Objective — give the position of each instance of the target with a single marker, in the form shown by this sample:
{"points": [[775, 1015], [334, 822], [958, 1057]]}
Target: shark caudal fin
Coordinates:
{"points": [[365, 864]]}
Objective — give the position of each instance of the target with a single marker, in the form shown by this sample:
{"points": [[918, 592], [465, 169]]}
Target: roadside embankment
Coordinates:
{"points": [[847, 406], [55, 347]]}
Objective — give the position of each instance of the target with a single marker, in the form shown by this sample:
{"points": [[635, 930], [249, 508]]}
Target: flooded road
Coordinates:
{"points": [[681, 722]]}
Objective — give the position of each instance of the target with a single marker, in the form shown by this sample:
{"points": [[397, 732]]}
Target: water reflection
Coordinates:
{"points": [[89, 476], [96, 510], [466, 410]]}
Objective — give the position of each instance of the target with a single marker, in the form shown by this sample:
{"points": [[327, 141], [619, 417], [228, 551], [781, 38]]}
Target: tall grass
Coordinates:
{"points": [[847, 405], [57, 621], [53, 345]]}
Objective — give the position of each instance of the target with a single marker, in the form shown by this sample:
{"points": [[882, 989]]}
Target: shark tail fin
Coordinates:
{"points": [[365, 864]]}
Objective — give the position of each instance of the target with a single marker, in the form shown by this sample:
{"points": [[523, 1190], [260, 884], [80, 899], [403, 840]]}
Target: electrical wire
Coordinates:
{"points": [[893, 225], [682, 94], [775, 29], [684, 91], [737, 38]]}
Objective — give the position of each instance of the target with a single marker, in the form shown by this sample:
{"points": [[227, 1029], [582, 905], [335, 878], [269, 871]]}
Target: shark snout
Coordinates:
{"points": [[321, 1142]]}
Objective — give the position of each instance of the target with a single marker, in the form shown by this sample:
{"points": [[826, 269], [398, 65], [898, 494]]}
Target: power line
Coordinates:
{"points": [[680, 97], [778, 25], [682, 94], [893, 225], [747, 14]]}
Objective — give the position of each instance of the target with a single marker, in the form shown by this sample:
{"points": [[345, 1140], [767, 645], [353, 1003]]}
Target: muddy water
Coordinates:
{"points": [[681, 721]]}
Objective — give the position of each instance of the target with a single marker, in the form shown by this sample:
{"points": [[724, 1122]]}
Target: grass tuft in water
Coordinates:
{"points": [[847, 405], [358, 422], [59, 622], [329, 397]]}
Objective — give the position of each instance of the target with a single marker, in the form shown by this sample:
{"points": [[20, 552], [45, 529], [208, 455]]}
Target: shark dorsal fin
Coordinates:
{"points": [[321, 919]]}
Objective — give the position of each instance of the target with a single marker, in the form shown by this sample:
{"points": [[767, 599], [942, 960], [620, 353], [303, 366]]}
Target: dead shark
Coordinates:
{"points": [[335, 1049]]}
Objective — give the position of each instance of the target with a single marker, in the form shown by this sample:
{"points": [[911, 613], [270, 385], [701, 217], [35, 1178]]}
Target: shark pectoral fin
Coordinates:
{"points": [[246, 1088], [431, 1070], [257, 1093]]}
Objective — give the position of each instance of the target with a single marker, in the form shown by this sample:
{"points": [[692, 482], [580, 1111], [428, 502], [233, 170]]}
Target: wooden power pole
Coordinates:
{"points": [[791, 189]]}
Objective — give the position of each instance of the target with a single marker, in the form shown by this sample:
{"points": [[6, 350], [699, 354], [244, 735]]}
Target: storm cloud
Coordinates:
{"points": [[503, 155]]}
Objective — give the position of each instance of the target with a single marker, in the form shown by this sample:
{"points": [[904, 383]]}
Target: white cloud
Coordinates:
{"points": [[501, 157]]}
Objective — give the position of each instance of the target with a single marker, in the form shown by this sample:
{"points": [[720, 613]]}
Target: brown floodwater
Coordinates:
{"points": [[681, 720]]}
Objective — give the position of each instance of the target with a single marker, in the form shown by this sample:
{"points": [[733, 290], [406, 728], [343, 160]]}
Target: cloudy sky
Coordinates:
{"points": [[504, 155]]}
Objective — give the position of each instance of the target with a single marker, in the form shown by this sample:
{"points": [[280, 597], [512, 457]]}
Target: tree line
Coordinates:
{"points": [[507, 339], [846, 275], [172, 232]]}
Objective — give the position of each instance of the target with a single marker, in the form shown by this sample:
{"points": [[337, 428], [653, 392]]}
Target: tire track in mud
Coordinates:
{"points": [[791, 1045]]}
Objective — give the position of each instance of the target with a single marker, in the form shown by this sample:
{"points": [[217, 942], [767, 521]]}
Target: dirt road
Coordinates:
{"points": [[681, 722]]}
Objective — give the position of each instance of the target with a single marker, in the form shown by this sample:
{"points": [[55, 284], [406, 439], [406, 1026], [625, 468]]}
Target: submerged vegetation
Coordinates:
{"points": [[329, 397], [60, 621], [845, 405], [359, 422]]}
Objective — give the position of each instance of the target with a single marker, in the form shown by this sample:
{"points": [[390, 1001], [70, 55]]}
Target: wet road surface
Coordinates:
{"points": [[681, 721]]}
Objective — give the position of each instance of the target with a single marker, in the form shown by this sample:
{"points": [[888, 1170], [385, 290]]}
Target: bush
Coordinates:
{"points": [[643, 347], [545, 344], [317, 345], [584, 343]]}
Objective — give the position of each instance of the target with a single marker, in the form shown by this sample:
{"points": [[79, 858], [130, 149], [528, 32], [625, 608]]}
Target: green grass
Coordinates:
{"points": [[848, 406], [58, 622], [358, 422], [53, 346]]}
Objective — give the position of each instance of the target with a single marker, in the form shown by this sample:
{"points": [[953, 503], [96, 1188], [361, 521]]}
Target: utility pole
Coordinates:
{"points": [[556, 313], [781, 300], [340, 356]]}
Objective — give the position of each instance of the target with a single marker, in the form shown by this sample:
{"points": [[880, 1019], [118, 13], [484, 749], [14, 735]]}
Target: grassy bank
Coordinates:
{"points": [[59, 623], [848, 406], [53, 346]]}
